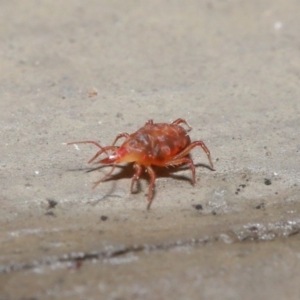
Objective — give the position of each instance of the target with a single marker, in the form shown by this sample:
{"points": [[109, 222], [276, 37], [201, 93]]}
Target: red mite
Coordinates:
{"points": [[155, 144]]}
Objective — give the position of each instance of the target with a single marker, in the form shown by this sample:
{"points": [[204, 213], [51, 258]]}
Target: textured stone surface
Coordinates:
{"points": [[77, 70]]}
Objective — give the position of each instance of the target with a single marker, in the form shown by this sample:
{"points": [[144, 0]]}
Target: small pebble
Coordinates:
{"points": [[103, 218], [198, 207], [267, 181]]}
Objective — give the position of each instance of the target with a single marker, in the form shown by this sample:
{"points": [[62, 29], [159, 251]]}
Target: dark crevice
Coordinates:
{"points": [[246, 233], [76, 257]]}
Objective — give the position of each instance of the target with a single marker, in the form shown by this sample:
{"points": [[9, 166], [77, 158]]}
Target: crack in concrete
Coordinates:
{"points": [[246, 233]]}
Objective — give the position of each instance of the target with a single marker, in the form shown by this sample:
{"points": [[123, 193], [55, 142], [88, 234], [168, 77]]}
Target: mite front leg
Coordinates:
{"points": [[136, 176], [124, 134], [108, 148], [87, 142], [151, 185], [105, 177], [102, 149]]}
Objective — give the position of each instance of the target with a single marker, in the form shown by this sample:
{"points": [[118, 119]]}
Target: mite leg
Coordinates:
{"points": [[87, 142], [112, 147], [105, 177], [149, 122], [190, 147], [184, 160], [103, 149], [136, 176], [151, 185], [124, 134], [179, 121], [108, 148]]}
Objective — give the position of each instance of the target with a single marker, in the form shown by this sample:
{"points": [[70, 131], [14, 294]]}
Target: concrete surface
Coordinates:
{"points": [[77, 70]]}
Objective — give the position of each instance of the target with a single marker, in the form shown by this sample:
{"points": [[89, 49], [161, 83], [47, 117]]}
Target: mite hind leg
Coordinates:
{"points": [[180, 121], [184, 160], [149, 122], [190, 147]]}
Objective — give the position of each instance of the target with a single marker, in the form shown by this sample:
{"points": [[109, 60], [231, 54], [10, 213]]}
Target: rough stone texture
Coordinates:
{"points": [[77, 70]]}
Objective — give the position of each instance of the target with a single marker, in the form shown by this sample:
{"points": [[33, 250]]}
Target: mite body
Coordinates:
{"points": [[155, 144]]}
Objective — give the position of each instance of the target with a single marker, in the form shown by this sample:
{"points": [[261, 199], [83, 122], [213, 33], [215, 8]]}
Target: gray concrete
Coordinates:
{"points": [[77, 70]]}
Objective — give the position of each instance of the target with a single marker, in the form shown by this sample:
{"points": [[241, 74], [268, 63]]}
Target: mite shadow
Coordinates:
{"points": [[127, 171]]}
